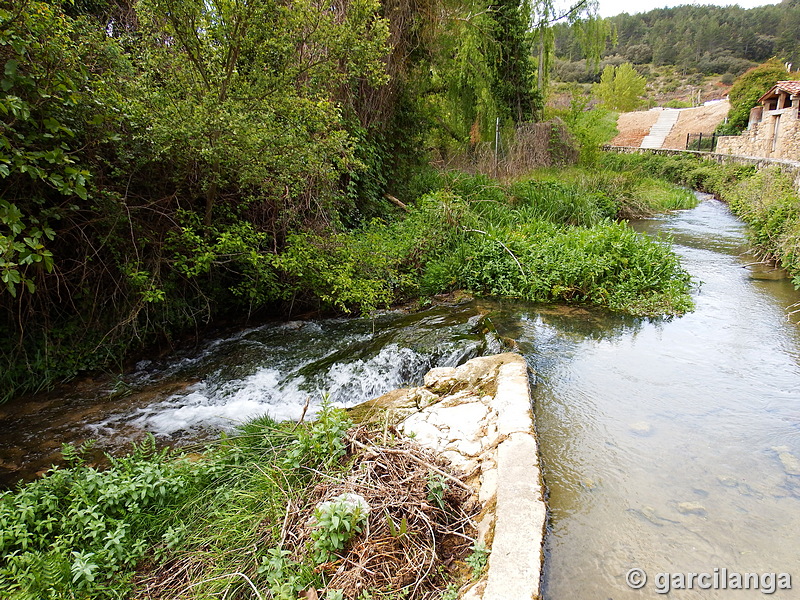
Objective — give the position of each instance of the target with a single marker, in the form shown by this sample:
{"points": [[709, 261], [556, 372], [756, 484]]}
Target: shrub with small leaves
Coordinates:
{"points": [[321, 444], [335, 523], [80, 529]]}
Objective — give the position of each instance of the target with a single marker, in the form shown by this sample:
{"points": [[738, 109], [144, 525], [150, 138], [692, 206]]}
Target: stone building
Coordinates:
{"points": [[773, 130]]}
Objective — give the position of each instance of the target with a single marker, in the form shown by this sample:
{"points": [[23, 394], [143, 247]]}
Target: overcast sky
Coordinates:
{"points": [[609, 8]]}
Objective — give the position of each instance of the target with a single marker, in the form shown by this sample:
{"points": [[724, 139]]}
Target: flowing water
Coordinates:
{"points": [[673, 447], [276, 369], [667, 445]]}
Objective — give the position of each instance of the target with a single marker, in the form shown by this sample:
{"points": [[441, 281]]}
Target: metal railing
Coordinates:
{"points": [[706, 142]]}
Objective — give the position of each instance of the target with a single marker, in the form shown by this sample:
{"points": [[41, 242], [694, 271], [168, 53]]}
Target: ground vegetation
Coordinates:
{"points": [[323, 510]]}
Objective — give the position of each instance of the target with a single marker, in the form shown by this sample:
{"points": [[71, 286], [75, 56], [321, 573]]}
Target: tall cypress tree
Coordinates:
{"points": [[514, 85]]}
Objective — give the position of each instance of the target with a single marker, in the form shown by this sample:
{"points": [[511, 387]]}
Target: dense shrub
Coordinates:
{"points": [[539, 239]]}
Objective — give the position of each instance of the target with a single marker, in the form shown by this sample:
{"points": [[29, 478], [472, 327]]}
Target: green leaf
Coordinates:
{"points": [[11, 67], [51, 123]]}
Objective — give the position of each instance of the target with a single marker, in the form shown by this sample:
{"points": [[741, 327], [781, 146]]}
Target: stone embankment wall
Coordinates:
{"points": [[478, 416]]}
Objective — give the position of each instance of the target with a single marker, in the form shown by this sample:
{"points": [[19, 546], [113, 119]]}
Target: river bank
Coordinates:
{"points": [[389, 519], [625, 407], [765, 197], [552, 236]]}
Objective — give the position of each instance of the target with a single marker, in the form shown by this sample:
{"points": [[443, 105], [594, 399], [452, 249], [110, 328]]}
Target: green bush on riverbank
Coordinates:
{"points": [[539, 239], [552, 236], [80, 532]]}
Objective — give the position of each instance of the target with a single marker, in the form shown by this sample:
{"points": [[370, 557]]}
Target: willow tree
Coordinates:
{"points": [[490, 62], [591, 31]]}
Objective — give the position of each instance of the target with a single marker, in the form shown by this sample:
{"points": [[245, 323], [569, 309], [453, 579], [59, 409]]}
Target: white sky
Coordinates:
{"points": [[609, 8]]}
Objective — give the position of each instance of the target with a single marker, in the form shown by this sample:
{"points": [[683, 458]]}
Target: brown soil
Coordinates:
{"points": [[634, 126], [703, 119]]}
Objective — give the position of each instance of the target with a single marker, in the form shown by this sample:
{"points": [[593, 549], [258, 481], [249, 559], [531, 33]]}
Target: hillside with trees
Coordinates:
{"points": [[695, 39]]}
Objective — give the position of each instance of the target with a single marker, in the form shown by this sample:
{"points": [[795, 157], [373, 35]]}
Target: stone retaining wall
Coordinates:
{"points": [[479, 417]]}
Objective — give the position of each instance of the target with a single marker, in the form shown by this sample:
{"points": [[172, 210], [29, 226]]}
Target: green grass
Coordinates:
{"points": [[766, 200], [269, 512], [553, 236], [80, 532]]}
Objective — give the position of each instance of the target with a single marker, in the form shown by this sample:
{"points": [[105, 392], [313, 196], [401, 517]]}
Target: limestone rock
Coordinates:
{"points": [[423, 432], [692, 508], [441, 380], [641, 428], [422, 397], [488, 484], [790, 462], [463, 421]]}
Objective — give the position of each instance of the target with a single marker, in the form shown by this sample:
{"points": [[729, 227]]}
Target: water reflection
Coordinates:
{"points": [[674, 446]]}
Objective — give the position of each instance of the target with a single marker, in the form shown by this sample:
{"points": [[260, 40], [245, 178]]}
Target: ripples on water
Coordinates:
{"points": [[669, 446], [274, 369]]}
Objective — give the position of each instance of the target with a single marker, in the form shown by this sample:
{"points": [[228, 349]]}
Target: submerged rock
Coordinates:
{"points": [[791, 464], [692, 508], [642, 428]]}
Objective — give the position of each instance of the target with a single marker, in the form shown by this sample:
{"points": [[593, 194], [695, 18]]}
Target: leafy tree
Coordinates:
{"points": [[250, 89], [51, 98], [620, 88], [592, 126], [515, 72], [748, 88], [591, 34]]}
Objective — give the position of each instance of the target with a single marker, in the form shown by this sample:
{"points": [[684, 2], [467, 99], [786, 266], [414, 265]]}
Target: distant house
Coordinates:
{"points": [[773, 130]]}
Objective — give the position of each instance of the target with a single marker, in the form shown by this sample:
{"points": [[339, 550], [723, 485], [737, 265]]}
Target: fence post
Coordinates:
{"points": [[714, 141], [700, 143], [496, 143], [687, 141]]}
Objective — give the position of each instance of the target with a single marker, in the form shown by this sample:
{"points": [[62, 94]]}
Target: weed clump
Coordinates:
{"points": [[540, 239], [274, 510]]}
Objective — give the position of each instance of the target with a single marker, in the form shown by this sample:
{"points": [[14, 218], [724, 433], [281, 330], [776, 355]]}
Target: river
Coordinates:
{"points": [[667, 445], [672, 446]]}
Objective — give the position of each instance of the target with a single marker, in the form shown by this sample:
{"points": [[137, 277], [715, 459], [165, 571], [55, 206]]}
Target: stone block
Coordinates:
{"points": [[516, 557]]}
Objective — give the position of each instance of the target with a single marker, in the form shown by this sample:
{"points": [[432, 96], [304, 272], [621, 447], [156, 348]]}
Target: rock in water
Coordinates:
{"points": [[790, 463], [641, 428], [692, 508]]}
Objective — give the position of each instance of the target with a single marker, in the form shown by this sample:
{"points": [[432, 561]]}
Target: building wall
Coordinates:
{"points": [[758, 139]]}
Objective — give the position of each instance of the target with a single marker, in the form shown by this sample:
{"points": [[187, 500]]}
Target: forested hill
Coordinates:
{"points": [[707, 39]]}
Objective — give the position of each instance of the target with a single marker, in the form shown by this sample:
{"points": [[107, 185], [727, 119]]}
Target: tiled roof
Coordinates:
{"points": [[790, 87]]}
